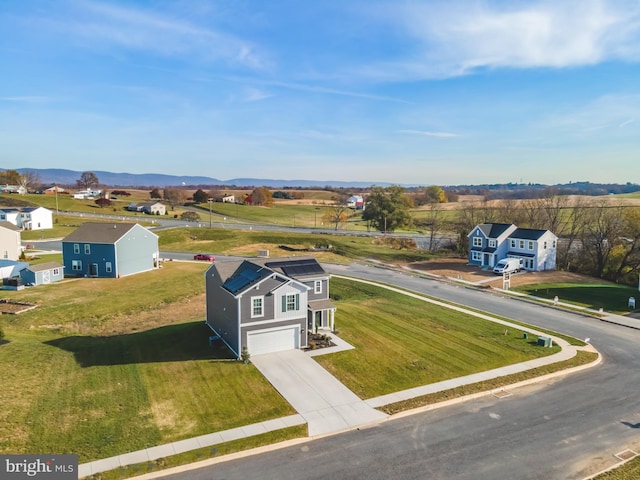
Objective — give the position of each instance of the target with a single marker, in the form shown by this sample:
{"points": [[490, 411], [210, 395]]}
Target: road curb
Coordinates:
{"points": [[474, 396]]}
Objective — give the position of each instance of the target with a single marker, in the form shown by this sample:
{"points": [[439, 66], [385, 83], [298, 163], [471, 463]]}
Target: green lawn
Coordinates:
{"points": [[402, 342], [87, 372], [612, 298]]}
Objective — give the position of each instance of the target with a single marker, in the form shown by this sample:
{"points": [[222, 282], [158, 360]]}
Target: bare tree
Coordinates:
{"points": [[30, 180], [174, 196], [88, 180], [571, 230], [336, 215], [603, 231]]}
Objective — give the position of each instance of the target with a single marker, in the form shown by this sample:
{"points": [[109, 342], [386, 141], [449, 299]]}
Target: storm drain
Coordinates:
{"points": [[626, 454], [502, 394]]}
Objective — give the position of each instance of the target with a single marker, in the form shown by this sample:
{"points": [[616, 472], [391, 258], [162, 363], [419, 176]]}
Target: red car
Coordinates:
{"points": [[204, 256]]}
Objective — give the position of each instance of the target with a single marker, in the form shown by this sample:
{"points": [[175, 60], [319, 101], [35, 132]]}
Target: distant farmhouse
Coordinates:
{"points": [[268, 305], [19, 189], [87, 194], [53, 190], [356, 201], [109, 250], [491, 242], [27, 218], [150, 208]]}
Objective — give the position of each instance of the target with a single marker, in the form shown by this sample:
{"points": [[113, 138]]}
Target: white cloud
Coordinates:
{"points": [[456, 38], [429, 134], [254, 95], [134, 28]]}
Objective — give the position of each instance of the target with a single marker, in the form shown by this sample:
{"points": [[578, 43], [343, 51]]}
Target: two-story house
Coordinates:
{"points": [[28, 218], [109, 250], [268, 305], [10, 244], [491, 242]]}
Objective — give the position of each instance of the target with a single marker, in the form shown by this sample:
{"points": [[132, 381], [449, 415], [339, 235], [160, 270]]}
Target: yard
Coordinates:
{"points": [[82, 376], [403, 342]]}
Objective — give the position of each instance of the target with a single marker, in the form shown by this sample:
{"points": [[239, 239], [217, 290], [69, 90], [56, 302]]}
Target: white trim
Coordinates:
{"points": [[261, 314], [277, 320]]}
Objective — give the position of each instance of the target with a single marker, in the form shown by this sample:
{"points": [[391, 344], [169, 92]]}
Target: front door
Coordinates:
{"points": [[318, 320], [93, 269]]}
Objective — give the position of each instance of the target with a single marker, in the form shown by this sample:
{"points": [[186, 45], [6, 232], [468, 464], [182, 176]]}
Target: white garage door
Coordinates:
{"points": [[273, 340]]}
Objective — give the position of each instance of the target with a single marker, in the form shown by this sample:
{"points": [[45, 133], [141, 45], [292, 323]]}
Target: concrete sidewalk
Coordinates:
{"points": [[209, 440]]}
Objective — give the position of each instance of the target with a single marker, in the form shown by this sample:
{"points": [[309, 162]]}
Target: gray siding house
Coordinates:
{"points": [[491, 242], [268, 305], [109, 250]]}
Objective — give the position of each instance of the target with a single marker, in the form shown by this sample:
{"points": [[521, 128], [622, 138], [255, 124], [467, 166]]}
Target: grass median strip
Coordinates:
{"points": [[582, 358]]}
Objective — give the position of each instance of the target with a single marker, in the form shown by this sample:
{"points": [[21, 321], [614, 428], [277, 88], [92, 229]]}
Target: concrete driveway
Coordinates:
{"points": [[325, 403]]}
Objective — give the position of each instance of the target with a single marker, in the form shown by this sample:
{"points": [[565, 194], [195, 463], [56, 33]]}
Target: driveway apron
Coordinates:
{"points": [[325, 403]]}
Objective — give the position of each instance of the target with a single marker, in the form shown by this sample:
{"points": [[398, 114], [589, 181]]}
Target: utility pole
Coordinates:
{"points": [[209, 200]]}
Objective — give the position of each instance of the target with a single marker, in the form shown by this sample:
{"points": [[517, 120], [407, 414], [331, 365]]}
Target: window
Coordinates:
{"points": [[553, 245], [3, 217], [530, 245], [76, 265], [107, 267], [521, 244], [257, 307], [512, 243], [76, 248], [291, 302], [317, 286], [477, 241], [5, 254], [476, 256], [56, 271], [544, 245], [87, 248], [493, 243]]}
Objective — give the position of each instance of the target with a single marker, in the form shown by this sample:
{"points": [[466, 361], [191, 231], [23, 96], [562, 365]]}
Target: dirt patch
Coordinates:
{"points": [[458, 268], [13, 308]]}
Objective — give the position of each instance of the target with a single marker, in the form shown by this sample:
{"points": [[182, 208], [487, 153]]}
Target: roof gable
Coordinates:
{"points": [[97, 232]]}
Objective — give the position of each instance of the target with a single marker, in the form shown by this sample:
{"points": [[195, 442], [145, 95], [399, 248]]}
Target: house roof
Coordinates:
{"points": [[494, 230], [528, 233], [239, 276], [44, 266], [245, 276], [96, 232], [10, 226], [315, 305], [297, 267]]}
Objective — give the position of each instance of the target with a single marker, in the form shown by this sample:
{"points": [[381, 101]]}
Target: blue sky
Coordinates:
{"points": [[413, 92]]}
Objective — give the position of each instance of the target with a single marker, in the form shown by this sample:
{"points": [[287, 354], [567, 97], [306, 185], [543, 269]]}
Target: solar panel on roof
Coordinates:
{"points": [[245, 276], [293, 268]]}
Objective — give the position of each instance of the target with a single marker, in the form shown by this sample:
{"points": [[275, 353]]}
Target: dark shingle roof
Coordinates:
{"points": [[94, 232], [246, 275], [527, 233]]}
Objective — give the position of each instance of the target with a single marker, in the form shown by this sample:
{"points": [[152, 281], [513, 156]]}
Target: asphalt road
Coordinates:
{"points": [[563, 429]]}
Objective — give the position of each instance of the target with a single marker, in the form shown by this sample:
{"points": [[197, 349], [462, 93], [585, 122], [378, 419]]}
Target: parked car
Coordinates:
{"points": [[207, 257]]}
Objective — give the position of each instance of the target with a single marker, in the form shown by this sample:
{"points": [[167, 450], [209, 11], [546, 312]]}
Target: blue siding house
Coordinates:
{"points": [[109, 250], [42, 273]]}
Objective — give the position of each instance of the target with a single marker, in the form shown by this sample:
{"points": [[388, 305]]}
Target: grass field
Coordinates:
{"points": [[610, 297], [248, 242], [403, 342]]}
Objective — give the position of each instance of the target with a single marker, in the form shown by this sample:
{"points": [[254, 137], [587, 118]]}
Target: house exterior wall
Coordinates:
{"points": [[10, 248], [99, 254], [223, 315], [38, 219], [136, 252], [324, 292]]}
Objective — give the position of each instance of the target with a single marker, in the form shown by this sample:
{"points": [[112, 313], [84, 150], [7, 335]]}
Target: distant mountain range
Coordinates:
{"points": [[68, 177]]}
